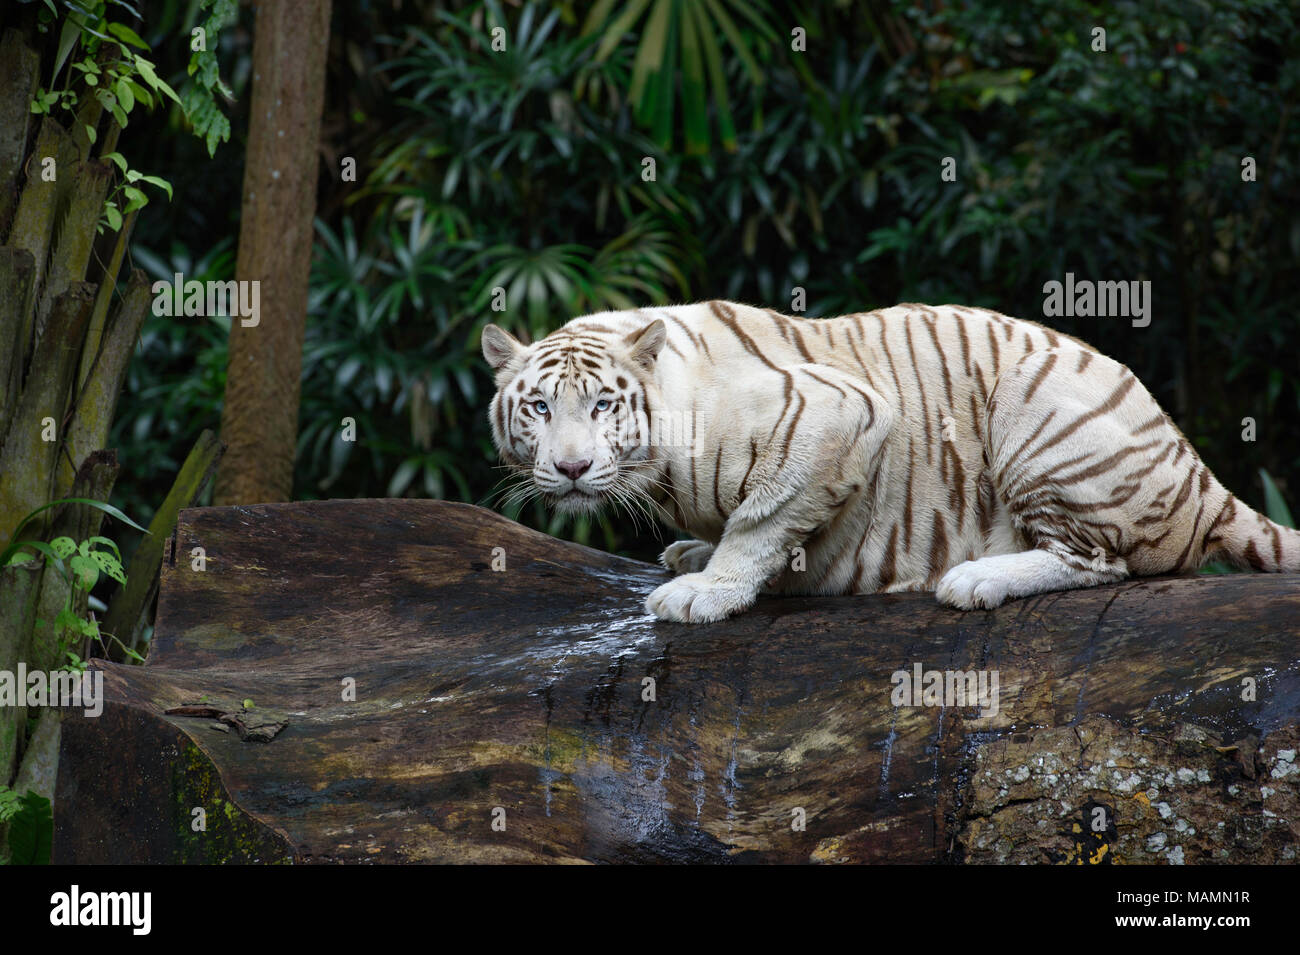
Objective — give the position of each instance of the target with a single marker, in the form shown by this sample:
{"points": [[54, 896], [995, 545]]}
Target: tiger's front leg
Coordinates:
{"points": [[821, 452]]}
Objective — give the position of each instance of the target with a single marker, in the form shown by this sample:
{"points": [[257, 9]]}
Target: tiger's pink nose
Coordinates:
{"points": [[573, 469]]}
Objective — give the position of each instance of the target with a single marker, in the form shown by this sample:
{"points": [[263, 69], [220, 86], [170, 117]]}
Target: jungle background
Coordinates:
{"points": [[776, 168]]}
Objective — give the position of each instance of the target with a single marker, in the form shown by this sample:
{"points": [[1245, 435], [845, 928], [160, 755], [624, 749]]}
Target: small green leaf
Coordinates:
{"points": [[117, 159], [85, 571], [39, 546], [105, 540], [141, 94], [135, 199], [108, 564], [67, 40], [127, 35], [147, 71], [162, 184], [63, 546]]}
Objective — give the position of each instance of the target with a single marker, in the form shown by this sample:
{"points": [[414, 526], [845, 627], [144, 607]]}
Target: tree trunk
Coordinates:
{"points": [[383, 680], [259, 423]]}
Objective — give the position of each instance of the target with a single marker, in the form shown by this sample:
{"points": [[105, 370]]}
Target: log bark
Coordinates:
{"points": [[39, 209], [502, 675], [19, 76], [27, 459], [19, 587], [75, 240], [105, 359], [16, 270]]}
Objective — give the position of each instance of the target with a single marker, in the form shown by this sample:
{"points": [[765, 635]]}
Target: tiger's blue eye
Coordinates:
{"points": [[602, 404], [540, 407]]}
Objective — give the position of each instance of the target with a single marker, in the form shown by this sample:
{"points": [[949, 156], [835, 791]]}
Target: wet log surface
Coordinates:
{"points": [[519, 697]]}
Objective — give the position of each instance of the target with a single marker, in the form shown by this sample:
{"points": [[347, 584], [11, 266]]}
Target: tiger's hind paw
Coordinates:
{"points": [[687, 557], [991, 581]]}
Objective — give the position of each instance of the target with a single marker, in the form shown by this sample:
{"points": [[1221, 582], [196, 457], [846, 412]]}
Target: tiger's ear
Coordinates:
{"points": [[500, 347], [645, 344]]}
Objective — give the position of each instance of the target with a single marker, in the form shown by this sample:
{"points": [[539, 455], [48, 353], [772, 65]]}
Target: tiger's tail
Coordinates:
{"points": [[1248, 539]]}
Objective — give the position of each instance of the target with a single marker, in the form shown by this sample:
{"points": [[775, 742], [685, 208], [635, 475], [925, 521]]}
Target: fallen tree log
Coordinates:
{"points": [[395, 680]]}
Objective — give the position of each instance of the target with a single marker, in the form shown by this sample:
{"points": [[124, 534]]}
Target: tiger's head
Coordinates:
{"points": [[573, 412]]}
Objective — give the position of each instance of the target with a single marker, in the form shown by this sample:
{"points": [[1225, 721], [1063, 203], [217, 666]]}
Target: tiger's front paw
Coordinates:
{"points": [[687, 557], [694, 598]]}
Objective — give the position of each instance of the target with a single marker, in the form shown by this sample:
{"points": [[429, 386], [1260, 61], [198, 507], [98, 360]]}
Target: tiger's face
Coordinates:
{"points": [[573, 412]]}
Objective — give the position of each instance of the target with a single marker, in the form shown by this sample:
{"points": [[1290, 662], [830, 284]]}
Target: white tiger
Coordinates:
{"points": [[911, 448]]}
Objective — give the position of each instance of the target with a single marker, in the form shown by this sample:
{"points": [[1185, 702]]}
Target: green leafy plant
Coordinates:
{"points": [[128, 190], [199, 97], [30, 827], [683, 33], [80, 564], [117, 77], [101, 59]]}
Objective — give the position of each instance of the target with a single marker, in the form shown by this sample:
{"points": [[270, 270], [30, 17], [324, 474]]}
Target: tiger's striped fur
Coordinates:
{"points": [[911, 448]]}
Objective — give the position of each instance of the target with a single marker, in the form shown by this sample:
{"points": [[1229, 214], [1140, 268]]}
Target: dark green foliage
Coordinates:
{"points": [[174, 386], [30, 827], [198, 99], [679, 56], [522, 169]]}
